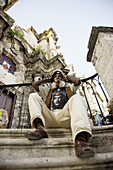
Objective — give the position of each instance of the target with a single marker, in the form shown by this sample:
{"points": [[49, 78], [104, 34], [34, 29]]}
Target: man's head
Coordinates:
{"points": [[57, 75]]}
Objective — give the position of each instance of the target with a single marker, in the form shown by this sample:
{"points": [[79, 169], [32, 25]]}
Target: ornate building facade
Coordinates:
{"points": [[25, 56]]}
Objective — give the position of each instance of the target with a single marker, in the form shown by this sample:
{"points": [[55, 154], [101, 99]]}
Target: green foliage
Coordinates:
{"points": [[7, 16], [1, 8], [39, 49], [16, 33]]}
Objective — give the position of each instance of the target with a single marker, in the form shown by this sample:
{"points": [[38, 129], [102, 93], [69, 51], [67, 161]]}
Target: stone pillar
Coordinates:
{"points": [[101, 55], [52, 47], [28, 76]]}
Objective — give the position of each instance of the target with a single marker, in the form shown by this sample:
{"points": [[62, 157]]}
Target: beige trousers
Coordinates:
{"points": [[74, 114]]}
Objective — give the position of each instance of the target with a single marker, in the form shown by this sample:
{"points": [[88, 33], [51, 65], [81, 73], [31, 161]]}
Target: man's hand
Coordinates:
{"points": [[73, 79], [48, 79], [36, 84], [64, 77]]}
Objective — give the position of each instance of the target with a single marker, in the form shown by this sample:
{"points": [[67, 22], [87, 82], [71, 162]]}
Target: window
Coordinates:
{"points": [[7, 64]]}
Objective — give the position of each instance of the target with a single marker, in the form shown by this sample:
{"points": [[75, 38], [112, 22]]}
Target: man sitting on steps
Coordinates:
{"points": [[63, 108]]}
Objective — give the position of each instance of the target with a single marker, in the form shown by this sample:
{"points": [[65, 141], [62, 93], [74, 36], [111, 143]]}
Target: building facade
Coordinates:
{"points": [[101, 55], [27, 56]]}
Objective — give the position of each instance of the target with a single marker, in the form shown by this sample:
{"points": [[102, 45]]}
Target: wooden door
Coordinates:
{"points": [[6, 102]]}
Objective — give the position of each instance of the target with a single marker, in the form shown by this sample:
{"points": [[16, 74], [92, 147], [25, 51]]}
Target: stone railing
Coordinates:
{"points": [[14, 100]]}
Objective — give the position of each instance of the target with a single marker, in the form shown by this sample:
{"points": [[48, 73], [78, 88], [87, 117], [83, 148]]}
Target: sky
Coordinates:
{"points": [[72, 21]]}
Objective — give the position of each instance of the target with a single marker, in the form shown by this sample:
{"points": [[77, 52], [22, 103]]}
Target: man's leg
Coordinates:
{"points": [[74, 114], [80, 126], [79, 116], [40, 117]]}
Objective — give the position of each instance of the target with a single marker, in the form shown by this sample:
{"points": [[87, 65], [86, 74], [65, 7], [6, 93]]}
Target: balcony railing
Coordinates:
{"points": [[14, 99]]}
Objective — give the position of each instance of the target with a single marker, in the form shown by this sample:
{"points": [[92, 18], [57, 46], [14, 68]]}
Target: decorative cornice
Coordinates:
{"points": [[5, 23], [9, 4], [39, 56], [93, 38], [33, 31], [45, 33]]}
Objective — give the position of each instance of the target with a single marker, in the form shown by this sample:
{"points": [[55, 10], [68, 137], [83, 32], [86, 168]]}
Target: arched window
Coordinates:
{"points": [[7, 64]]}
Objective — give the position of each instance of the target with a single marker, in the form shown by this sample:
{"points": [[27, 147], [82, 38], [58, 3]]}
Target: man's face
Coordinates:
{"points": [[57, 77], [57, 100]]}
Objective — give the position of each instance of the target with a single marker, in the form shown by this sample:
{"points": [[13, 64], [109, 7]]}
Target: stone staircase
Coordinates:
{"points": [[57, 152]]}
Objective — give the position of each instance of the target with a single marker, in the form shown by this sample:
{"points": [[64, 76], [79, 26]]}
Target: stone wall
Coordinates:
{"points": [[101, 55], [34, 54], [6, 4]]}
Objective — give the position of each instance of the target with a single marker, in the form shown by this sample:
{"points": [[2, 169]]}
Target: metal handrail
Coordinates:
{"points": [[15, 85], [29, 84], [89, 78]]}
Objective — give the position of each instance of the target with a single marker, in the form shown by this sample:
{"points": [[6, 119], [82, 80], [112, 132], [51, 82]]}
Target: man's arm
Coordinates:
{"points": [[73, 79], [36, 84]]}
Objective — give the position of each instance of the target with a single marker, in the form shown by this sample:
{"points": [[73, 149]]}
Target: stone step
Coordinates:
{"points": [[101, 160], [53, 133], [19, 133], [60, 143], [25, 148], [50, 147], [57, 152]]}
